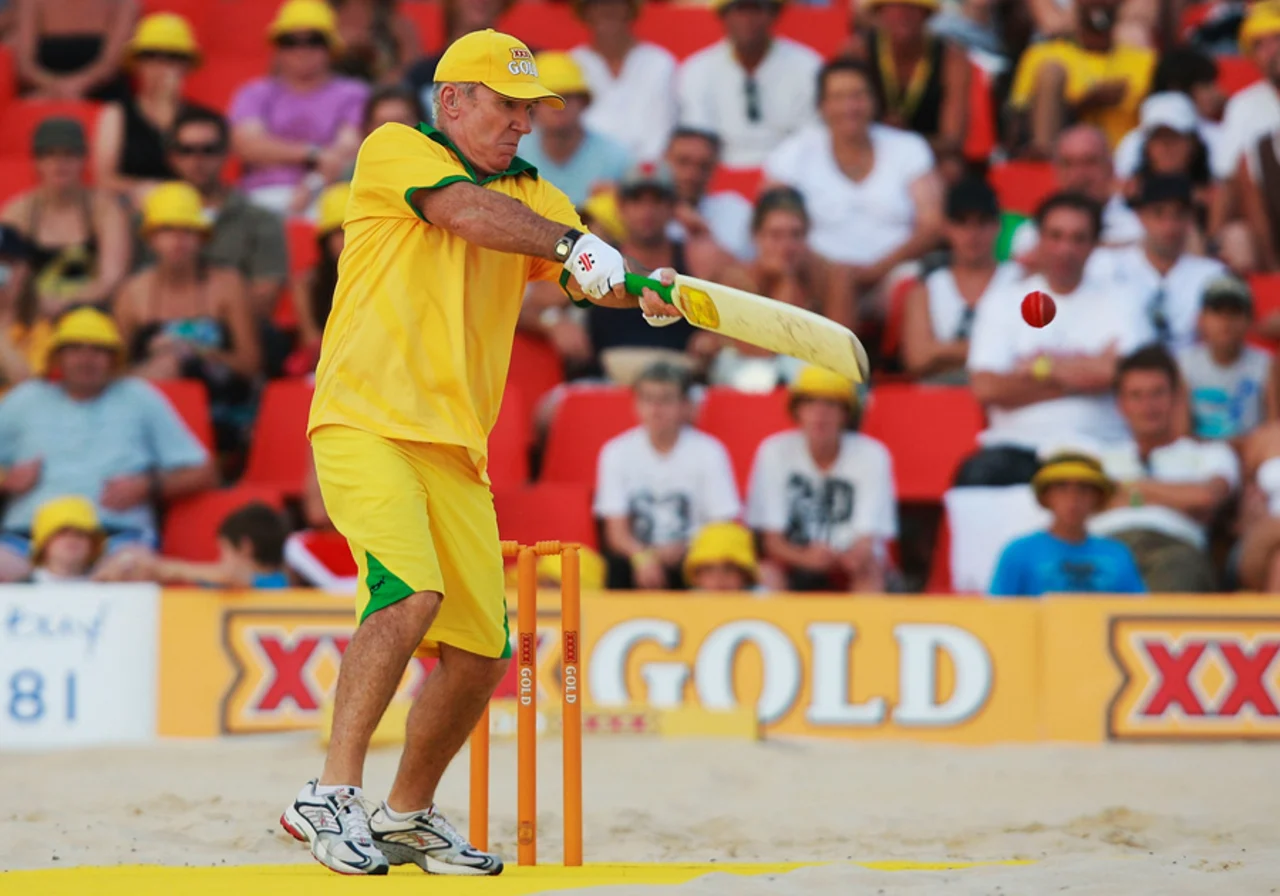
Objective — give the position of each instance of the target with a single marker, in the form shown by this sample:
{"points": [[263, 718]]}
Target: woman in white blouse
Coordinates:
{"points": [[873, 191]]}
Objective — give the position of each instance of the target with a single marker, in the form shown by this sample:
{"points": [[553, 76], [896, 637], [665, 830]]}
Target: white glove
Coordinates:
{"points": [[597, 266]]}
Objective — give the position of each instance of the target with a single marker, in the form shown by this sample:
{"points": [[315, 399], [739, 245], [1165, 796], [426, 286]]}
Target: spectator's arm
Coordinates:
{"points": [[1198, 500], [169, 571], [953, 121], [187, 480], [926, 196], [125, 312], [1255, 214], [114, 235], [109, 61], [108, 145], [1012, 390], [619, 540], [778, 549], [26, 40], [922, 352], [232, 303], [255, 146]]}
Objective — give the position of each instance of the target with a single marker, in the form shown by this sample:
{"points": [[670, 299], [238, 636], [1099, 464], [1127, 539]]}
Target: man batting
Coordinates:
{"points": [[445, 228]]}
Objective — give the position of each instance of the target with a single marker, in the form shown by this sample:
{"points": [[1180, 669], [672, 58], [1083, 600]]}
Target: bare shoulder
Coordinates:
{"points": [[227, 283]]}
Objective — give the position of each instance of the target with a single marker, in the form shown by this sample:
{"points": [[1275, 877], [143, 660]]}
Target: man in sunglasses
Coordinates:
{"points": [[445, 229], [752, 89]]}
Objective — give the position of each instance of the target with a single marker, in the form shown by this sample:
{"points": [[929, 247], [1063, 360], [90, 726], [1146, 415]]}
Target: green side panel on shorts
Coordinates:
{"points": [[506, 630], [385, 587]]}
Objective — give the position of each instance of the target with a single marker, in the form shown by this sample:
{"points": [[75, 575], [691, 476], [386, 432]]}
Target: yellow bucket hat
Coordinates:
{"points": [[818, 382], [164, 32], [306, 15], [722, 543], [85, 326], [561, 74], [71, 512], [1262, 20], [332, 209], [174, 204], [1072, 467], [498, 61], [592, 570]]}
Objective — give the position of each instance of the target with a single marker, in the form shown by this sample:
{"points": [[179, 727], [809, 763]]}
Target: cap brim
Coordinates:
{"points": [[523, 90]]}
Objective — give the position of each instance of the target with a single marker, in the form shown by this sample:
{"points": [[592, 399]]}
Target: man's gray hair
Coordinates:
{"points": [[468, 89]]}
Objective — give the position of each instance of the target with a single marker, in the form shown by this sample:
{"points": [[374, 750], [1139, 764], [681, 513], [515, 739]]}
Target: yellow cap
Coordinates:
{"points": [[498, 61], [1072, 467], [71, 512], [560, 73], [174, 204], [306, 15], [1262, 20], [722, 543], [592, 570], [164, 32], [818, 382], [85, 326], [332, 207]]}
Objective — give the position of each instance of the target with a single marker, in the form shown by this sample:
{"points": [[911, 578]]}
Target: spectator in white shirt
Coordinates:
{"points": [[872, 191], [633, 93], [752, 88], [1193, 73], [659, 483], [1170, 138], [692, 155], [1042, 387], [1171, 486], [1160, 274], [822, 495], [939, 312], [1255, 111]]}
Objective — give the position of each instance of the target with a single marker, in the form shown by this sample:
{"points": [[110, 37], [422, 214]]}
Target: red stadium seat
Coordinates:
{"points": [[743, 181], [891, 338], [1022, 186], [586, 419], [510, 440], [20, 118], [194, 11], [544, 26], [215, 83], [742, 420], [429, 20], [929, 430], [8, 76], [17, 175], [191, 524], [544, 512], [981, 137], [238, 28], [303, 250], [1235, 73], [1266, 303], [190, 399], [535, 366], [278, 454]]}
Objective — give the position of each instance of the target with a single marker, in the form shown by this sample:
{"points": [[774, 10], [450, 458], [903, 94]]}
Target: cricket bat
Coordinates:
{"points": [[763, 322]]}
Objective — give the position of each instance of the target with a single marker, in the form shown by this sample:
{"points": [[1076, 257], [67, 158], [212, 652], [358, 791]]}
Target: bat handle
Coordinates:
{"points": [[635, 283]]}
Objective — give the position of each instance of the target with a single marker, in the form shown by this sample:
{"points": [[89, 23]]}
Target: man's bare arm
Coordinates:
{"points": [[490, 220], [1012, 390]]}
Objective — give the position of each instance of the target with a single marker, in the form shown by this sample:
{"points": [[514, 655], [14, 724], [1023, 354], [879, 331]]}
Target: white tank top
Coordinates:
{"points": [[947, 306]]}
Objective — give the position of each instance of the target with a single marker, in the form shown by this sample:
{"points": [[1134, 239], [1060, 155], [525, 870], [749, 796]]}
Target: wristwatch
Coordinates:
{"points": [[565, 244], [313, 157]]}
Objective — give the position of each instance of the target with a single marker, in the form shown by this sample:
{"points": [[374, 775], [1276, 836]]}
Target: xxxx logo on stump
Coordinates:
{"points": [[1192, 678]]}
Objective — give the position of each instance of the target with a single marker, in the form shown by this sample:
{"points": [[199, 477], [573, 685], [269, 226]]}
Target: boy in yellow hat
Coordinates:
{"points": [[66, 540], [722, 557], [822, 495], [1065, 557]]}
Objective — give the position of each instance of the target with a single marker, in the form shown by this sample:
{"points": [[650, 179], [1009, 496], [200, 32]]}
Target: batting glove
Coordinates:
{"points": [[597, 266]]}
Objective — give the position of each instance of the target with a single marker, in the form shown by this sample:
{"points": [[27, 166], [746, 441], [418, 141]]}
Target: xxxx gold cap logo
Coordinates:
{"points": [[522, 62]]}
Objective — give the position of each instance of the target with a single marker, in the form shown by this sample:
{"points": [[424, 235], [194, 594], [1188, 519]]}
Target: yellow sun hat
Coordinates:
{"points": [[306, 15], [818, 382], [1070, 466], [85, 326], [332, 211], [592, 570], [1262, 20], [498, 61], [58, 514], [164, 32], [561, 74], [722, 543], [175, 204]]}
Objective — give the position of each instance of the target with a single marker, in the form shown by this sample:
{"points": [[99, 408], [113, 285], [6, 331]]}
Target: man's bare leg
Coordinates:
{"points": [[446, 710], [371, 670]]}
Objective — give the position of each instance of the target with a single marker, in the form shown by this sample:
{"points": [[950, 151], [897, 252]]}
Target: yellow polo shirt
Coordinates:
{"points": [[419, 340]]}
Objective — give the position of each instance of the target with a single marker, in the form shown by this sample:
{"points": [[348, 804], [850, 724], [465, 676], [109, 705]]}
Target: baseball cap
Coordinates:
{"points": [[1163, 188], [55, 134], [972, 196], [498, 61], [1227, 293], [647, 176], [1168, 109]]}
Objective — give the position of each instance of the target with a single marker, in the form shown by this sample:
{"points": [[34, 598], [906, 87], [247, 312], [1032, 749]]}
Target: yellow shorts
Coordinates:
{"points": [[418, 517]]}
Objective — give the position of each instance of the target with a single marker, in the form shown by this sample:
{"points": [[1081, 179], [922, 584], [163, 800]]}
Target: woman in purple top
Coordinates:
{"points": [[297, 130]]}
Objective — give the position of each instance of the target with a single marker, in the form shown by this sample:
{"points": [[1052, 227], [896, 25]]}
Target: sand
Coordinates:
{"points": [[1104, 820]]}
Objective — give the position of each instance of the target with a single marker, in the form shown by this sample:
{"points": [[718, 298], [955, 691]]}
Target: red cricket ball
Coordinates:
{"points": [[1038, 308]]}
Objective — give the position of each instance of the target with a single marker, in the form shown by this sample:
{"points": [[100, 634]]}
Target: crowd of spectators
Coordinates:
{"points": [[1137, 436]]}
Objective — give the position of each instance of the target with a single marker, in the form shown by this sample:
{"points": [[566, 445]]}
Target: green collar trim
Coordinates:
{"points": [[517, 167]]}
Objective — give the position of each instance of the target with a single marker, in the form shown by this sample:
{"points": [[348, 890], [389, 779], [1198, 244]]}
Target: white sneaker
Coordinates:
{"points": [[336, 827], [426, 839]]}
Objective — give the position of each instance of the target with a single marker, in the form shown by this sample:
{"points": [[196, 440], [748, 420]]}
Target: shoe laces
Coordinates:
{"points": [[445, 827], [354, 818]]}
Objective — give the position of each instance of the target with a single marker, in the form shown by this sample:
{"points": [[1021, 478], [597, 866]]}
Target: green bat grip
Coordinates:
{"points": [[635, 283]]}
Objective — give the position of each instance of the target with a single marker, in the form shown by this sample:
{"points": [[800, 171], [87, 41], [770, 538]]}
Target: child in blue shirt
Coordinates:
{"points": [[250, 554], [1066, 558]]}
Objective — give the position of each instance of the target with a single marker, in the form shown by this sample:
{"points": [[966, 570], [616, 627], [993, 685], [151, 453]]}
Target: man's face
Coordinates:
{"points": [[176, 247], [1083, 165], [1167, 225], [661, 408], [748, 23], [198, 154], [1147, 400], [487, 126], [720, 577], [847, 105], [1066, 239], [608, 19], [1209, 100], [693, 163], [563, 121], [1224, 330], [780, 241], [822, 420], [646, 214], [86, 369], [972, 239], [1170, 152], [1071, 503], [302, 54], [60, 169]]}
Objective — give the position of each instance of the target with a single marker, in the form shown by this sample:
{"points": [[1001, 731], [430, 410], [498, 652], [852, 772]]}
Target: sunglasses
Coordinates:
{"points": [[752, 91], [162, 56], [199, 149], [311, 39]]}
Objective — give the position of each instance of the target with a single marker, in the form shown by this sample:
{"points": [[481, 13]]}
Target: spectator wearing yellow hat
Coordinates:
{"points": [[182, 318], [66, 540], [87, 430], [299, 128], [592, 571], [129, 154], [722, 557], [633, 97], [72, 49], [577, 160], [822, 495], [1065, 557], [313, 288]]}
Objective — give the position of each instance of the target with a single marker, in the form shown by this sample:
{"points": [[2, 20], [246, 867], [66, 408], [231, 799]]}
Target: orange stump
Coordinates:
{"points": [[571, 718], [527, 711]]}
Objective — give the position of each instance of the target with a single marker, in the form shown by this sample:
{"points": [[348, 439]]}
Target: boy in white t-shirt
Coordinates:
{"points": [[658, 483], [822, 496]]}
